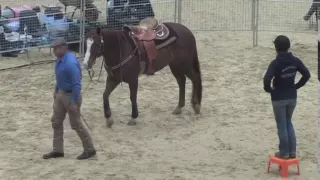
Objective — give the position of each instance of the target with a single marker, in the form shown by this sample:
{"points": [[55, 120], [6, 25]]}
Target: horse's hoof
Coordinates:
{"points": [[107, 114], [196, 108], [109, 122], [177, 111], [132, 122]]}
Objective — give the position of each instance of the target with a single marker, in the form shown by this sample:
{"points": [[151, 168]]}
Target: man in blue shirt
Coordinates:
{"points": [[67, 99]]}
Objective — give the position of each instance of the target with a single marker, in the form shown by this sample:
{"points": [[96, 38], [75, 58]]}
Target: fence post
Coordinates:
{"points": [[257, 21], [82, 27], [178, 11], [253, 20], [175, 10]]}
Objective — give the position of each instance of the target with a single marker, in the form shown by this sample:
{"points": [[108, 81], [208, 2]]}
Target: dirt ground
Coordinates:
{"points": [[230, 139]]}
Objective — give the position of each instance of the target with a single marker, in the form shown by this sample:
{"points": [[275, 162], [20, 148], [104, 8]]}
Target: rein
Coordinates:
{"points": [[132, 54], [89, 72], [91, 76]]}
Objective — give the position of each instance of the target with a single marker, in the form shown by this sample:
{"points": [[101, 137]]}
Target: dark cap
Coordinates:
{"points": [[282, 43], [59, 42]]}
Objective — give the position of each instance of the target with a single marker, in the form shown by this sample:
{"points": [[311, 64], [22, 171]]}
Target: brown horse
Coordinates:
{"points": [[126, 55]]}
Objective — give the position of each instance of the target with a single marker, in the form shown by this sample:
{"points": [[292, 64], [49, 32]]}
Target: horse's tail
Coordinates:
{"points": [[198, 83]]}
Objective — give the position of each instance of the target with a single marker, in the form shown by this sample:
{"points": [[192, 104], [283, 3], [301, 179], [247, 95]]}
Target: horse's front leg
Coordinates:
{"points": [[133, 85], [110, 86]]}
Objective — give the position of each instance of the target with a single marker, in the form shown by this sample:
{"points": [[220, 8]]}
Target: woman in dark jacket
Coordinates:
{"points": [[283, 92]]}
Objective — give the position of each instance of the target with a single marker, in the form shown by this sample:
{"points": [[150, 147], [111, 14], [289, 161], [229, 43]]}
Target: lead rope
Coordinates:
{"points": [[91, 81], [83, 119], [97, 144]]}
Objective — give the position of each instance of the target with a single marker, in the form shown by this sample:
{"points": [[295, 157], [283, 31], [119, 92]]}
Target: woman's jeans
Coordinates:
{"points": [[283, 111]]}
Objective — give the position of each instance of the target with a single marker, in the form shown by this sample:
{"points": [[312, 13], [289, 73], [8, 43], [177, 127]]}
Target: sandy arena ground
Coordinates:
{"points": [[231, 139]]}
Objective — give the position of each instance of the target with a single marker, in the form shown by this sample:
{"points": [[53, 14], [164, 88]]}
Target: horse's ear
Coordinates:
{"points": [[99, 31]]}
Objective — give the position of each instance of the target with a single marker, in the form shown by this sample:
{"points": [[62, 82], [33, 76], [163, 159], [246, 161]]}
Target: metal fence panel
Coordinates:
{"points": [[217, 15], [207, 15], [284, 15], [23, 27], [117, 13]]}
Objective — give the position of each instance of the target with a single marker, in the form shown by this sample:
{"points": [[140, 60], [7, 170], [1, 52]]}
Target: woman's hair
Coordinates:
{"points": [[282, 43]]}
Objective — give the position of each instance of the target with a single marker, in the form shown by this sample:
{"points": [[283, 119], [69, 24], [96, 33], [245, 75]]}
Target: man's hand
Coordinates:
{"points": [[54, 94], [73, 108]]}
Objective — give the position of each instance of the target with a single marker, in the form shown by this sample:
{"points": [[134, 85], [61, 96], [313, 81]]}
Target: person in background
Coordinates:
{"points": [[313, 9], [283, 92], [67, 99], [6, 45]]}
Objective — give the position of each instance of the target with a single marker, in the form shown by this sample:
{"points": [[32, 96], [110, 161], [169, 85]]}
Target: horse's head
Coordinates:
{"points": [[94, 48]]}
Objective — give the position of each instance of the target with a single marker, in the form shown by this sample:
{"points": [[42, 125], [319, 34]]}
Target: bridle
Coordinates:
{"points": [[101, 49], [119, 65]]}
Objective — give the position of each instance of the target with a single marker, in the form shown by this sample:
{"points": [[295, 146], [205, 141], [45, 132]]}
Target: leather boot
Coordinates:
{"points": [[87, 154], [53, 154]]}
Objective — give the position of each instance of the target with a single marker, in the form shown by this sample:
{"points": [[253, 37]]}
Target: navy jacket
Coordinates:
{"points": [[283, 71]]}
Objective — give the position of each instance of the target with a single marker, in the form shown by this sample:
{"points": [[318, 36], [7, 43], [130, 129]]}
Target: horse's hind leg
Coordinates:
{"points": [[181, 80], [196, 97], [110, 86]]}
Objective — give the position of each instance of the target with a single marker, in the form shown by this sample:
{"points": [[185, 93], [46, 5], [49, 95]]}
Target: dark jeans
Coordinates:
{"points": [[283, 111]]}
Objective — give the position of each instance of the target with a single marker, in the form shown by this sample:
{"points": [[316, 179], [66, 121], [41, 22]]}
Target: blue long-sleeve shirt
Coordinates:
{"points": [[69, 76]]}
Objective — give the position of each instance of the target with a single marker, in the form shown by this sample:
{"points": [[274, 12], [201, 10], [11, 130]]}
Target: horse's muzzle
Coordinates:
{"points": [[85, 66]]}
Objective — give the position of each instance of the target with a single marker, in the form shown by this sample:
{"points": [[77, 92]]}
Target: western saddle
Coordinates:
{"points": [[146, 32]]}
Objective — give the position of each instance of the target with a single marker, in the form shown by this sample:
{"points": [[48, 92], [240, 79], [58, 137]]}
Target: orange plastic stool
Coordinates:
{"points": [[284, 165]]}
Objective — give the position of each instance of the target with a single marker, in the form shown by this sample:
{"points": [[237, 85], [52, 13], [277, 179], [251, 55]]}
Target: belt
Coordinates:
{"points": [[65, 91]]}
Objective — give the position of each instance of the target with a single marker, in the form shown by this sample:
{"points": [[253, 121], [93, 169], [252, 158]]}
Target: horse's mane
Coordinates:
{"points": [[114, 40], [112, 36]]}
